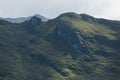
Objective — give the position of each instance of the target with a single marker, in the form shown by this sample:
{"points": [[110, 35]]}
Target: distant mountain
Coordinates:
{"points": [[70, 47], [23, 19]]}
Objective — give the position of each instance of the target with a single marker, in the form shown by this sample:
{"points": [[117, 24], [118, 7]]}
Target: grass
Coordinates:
{"points": [[29, 52]]}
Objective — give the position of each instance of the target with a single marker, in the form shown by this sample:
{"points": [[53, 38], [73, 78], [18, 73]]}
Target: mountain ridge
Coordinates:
{"points": [[69, 47], [23, 19]]}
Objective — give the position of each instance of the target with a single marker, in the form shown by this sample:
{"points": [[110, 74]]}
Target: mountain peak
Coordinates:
{"points": [[44, 19], [70, 15], [35, 20], [37, 15], [23, 19]]}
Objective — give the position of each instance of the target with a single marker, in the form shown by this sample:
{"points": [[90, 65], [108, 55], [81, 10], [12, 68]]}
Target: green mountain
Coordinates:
{"points": [[69, 47]]}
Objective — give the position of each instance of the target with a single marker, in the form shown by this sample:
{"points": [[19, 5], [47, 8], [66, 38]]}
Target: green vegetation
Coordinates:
{"points": [[69, 47]]}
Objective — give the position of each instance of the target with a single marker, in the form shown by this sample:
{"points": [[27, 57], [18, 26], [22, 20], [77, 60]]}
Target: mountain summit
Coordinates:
{"points": [[69, 47], [23, 19]]}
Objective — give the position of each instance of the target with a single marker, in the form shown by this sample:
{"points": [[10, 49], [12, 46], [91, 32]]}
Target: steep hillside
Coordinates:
{"points": [[69, 47]]}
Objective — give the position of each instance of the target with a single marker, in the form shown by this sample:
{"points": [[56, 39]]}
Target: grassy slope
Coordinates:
{"points": [[103, 57], [37, 52]]}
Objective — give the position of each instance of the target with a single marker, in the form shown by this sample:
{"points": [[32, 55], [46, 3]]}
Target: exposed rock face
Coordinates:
{"points": [[71, 36]]}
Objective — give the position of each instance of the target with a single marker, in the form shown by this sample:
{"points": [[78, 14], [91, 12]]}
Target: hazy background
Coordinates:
{"points": [[51, 8]]}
